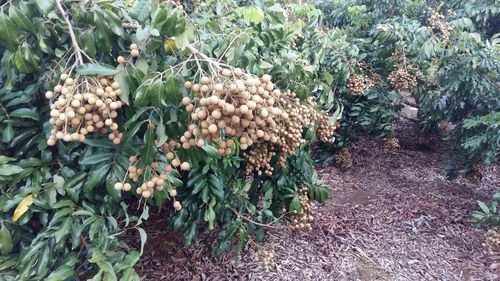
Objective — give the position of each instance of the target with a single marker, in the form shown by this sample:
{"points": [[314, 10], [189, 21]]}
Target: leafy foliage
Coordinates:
{"points": [[487, 214], [61, 215]]}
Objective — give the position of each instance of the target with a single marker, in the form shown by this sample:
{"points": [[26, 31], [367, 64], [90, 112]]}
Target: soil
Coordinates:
{"points": [[391, 217]]}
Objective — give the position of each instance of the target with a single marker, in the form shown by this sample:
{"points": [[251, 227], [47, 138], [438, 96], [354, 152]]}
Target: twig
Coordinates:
{"points": [[254, 222], [77, 48], [197, 52]]}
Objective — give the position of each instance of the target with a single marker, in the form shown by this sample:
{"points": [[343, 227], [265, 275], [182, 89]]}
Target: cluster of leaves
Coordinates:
{"points": [[457, 75], [60, 212], [60, 215], [487, 214]]}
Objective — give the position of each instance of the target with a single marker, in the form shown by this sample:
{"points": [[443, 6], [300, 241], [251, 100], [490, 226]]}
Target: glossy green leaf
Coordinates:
{"points": [[46, 5], [6, 244], [9, 170], [8, 133], [8, 33], [96, 69], [62, 273], [20, 20]]}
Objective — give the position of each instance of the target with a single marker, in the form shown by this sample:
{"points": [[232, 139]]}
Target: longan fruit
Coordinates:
{"points": [[134, 53], [120, 59], [172, 193], [212, 128], [177, 206], [176, 162], [119, 186], [185, 166], [146, 194], [186, 101]]}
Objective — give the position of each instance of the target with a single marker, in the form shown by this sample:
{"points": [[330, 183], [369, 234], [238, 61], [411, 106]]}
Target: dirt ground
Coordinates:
{"points": [[391, 217]]}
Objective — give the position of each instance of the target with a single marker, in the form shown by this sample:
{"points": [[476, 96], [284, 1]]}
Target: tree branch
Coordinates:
{"points": [[77, 48]]}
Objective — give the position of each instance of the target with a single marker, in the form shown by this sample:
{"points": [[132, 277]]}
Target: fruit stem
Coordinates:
{"points": [[77, 48], [197, 52]]}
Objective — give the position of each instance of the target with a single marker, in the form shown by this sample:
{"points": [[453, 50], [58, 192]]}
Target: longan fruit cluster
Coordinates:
{"points": [[343, 158], [391, 145], [134, 50], [358, 84], [265, 257], [437, 21], [402, 80], [234, 107], [325, 131], [259, 159], [169, 150], [492, 242], [83, 105], [155, 178], [304, 219]]}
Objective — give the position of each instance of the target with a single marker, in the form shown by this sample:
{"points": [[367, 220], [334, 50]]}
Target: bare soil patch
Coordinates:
{"points": [[392, 217]]}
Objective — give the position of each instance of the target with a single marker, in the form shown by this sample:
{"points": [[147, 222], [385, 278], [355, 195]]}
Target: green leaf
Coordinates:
{"points": [[295, 206], [21, 63], [89, 43], [251, 14], [63, 229], [149, 151], [58, 181], [141, 11], [8, 133], [24, 113], [6, 244], [96, 158], [62, 273], [160, 133], [121, 77], [96, 176], [144, 238], [5, 159], [8, 33], [20, 20], [9, 170], [96, 69], [46, 6], [483, 207]]}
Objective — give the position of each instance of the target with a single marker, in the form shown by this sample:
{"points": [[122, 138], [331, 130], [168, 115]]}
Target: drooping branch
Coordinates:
{"points": [[77, 48], [209, 60]]}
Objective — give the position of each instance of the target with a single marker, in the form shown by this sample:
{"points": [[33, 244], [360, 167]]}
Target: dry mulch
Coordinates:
{"points": [[392, 217]]}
